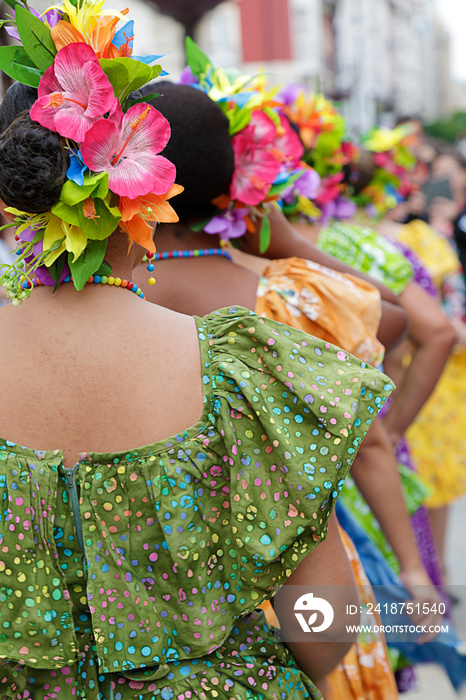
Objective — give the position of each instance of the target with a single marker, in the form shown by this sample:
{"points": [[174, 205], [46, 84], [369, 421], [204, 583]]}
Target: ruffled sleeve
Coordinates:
{"points": [[292, 411], [341, 309]]}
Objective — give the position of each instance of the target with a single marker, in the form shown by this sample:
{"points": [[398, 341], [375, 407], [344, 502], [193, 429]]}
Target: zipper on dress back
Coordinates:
{"points": [[74, 500]]}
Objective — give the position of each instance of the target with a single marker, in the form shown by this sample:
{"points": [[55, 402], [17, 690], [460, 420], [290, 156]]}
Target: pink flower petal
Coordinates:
{"points": [[42, 112], [132, 178], [127, 147], [153, 131], [101, 97], [264, 129], [100, 144], [289, 143], [48, 83], [255, 170], [72, 123], [68, 64], [73, 92]]}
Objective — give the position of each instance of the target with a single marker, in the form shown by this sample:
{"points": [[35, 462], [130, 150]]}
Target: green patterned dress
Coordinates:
{"points": [[137, 575], [362, 248]]}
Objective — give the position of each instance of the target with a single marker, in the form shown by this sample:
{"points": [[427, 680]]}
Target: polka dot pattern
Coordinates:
{"points": [[184, 538]]}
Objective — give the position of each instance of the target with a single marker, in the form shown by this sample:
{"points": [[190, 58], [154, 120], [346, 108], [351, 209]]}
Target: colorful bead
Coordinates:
{"points": [[197, 253], [151, 281], [95, 279], [151, 267]]}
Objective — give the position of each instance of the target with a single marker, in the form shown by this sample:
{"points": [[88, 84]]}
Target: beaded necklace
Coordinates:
{"points": [[197, 253], [99, 279]]}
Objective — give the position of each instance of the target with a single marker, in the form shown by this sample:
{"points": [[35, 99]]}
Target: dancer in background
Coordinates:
{"points": [[208, 275]]}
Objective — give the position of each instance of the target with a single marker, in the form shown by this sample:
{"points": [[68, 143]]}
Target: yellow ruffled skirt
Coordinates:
{"points": [[438, 437]]}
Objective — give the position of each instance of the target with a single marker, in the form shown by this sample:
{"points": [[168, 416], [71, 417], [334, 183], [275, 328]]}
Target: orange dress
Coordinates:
{"points": [[345, 311]]}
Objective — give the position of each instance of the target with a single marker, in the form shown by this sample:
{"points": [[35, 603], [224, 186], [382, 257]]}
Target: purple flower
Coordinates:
{"points": [[44, 276], [41, 272], [187, 77], [27, 234], [52, 17], [339, 208], [229, 224], [307, 185], [289, 93]]}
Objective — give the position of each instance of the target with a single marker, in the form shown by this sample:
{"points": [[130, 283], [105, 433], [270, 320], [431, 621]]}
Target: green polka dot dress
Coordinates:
{"points": [[366, 250], [138, 574]]}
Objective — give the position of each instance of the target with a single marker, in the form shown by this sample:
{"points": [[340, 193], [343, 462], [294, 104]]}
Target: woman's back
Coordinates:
{"points": [[99, 370]]}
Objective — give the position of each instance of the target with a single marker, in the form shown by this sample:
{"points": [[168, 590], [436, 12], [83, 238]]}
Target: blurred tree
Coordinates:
{"points": [[187, 12], [452, 129]]}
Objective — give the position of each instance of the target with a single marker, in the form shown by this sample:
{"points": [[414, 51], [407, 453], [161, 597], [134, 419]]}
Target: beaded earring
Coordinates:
{"points": [[150, 267]]}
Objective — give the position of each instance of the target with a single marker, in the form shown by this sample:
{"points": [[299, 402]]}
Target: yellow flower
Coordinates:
{"points": [[86, 19], [56, 231], [71, 238], [384, 139]]}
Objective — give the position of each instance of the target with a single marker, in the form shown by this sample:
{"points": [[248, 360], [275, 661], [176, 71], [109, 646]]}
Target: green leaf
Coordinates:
{"points": [[272, 115], [146, 98], [276, 189], [238, 118], [104, 269], [15, 62], [199, 226], [12, 3], [156, 70], [105, 222], [56, 269], [36, 38], [89, 262], [126, 74], [94, 185], [264, 234], [195, 58]]}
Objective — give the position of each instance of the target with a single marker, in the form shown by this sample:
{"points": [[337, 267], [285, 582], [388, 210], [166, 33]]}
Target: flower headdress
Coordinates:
{"points": [[85, 73], [322, 130], [394, 160], [267, 151]]}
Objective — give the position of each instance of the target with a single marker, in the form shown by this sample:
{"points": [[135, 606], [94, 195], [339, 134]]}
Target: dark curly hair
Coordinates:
{"points": [[199, 146], [33, 160]]}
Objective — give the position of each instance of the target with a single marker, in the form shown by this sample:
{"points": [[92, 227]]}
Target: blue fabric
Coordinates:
{"points": [[446, 649]]}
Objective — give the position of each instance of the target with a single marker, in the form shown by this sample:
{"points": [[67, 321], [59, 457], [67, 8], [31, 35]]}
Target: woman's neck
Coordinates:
{"points": [[198, 285]]}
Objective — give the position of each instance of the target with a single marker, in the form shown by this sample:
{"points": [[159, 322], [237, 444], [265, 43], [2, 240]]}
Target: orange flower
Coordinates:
{"points": [[101, 37], [135, 213]]}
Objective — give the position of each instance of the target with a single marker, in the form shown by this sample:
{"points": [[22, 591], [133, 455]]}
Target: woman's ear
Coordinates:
{"points": [[6, 214]]}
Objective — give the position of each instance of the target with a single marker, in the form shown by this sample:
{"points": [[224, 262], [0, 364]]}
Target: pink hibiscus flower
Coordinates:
{"points": [[289, 144], [256, 163], [126, 146], [73, 93]]}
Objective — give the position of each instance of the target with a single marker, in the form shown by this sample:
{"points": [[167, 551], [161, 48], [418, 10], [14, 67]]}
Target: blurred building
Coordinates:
{"points": [[380, 58]]}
